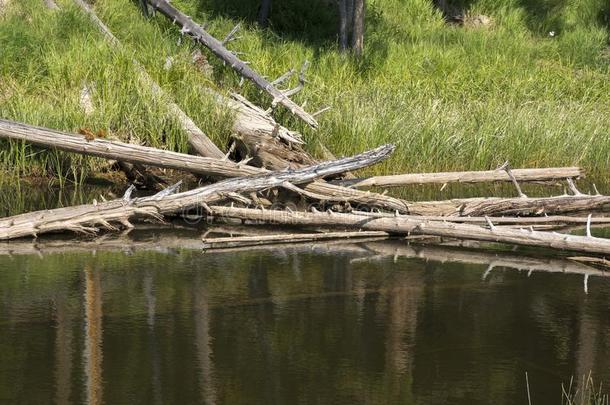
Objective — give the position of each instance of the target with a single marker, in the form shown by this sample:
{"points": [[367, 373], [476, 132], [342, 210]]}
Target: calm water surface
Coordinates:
{"points": [[151, 319]]}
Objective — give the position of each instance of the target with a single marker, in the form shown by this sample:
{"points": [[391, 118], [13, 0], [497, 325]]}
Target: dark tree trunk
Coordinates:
{"points": [[343, 26], [263, 13], [358, 28]]}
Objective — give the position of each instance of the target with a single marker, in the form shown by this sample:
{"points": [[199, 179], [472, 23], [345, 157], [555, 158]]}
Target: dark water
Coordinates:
{"points": [[151, 319]]}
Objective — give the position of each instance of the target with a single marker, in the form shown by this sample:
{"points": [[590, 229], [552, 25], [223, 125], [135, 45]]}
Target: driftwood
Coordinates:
{"points": [[269, 152], [511, 206], [523, 221], [243, 241], [252, 120], [522, 175], [317, 190], [194, 164], [198, 140], [123, 151], [198, 34], [412, 225], [85, 218]]}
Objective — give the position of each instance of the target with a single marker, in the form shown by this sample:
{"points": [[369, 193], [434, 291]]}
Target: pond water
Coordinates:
{"points": [[150, 318]]}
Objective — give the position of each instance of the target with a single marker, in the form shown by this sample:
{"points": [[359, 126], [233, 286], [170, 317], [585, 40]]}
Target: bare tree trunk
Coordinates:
{"points": [[548, 174], [343, 25], [358, 32], [263, 13]]}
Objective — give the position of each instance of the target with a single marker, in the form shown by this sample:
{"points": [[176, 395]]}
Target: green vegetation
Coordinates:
{"points": [[452, 97]]}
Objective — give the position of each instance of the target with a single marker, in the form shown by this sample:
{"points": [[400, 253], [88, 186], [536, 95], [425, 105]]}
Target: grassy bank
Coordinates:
{"points": [[451, 97]]}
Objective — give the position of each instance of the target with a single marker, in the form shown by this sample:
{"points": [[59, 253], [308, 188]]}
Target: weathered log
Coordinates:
{"points": [[412, 225], [243, 241], [172, 160], [123, 151], [198, 34], [269, 152], [198, 140], [253, 120], [85, 218], [258, 136], [511, 206], [524, 221], [521, 175]]}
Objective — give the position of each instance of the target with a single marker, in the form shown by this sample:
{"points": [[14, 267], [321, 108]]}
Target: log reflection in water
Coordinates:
{"points": [[151, 306], [63, 349], [92, 355], [203, 341], [493, 259]]}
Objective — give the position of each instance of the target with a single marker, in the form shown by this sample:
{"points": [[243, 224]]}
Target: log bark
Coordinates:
{"points": [[243, 241], [270, 153], [198, 140], [85, 218], [521, 175], [198, 34], [412, 225]]}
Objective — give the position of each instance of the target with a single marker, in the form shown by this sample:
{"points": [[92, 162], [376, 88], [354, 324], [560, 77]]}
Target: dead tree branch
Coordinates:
{"points": [[198, 34]]}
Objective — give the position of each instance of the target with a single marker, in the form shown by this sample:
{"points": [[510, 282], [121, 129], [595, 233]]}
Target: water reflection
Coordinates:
{"points": [[92, 353], [372, 322]]}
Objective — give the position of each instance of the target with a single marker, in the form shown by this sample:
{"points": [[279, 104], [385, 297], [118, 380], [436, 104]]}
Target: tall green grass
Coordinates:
{"points": [[450, 97]]}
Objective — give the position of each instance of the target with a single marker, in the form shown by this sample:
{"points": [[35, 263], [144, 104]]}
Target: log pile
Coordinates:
{"points": [[267, 178]]}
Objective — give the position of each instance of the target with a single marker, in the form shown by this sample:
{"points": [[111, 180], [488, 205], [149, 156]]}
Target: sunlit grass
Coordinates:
{"points": [[452, 98]]}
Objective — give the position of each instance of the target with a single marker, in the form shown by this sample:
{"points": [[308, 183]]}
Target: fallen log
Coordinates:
{"points": [[172, 160], [198, 140], [198, 34], [269, 152], [124, 152], [523, 221], [246, 241], [521, 175], [253, 120], [85, 218], [402, 224], [520, 206]]}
